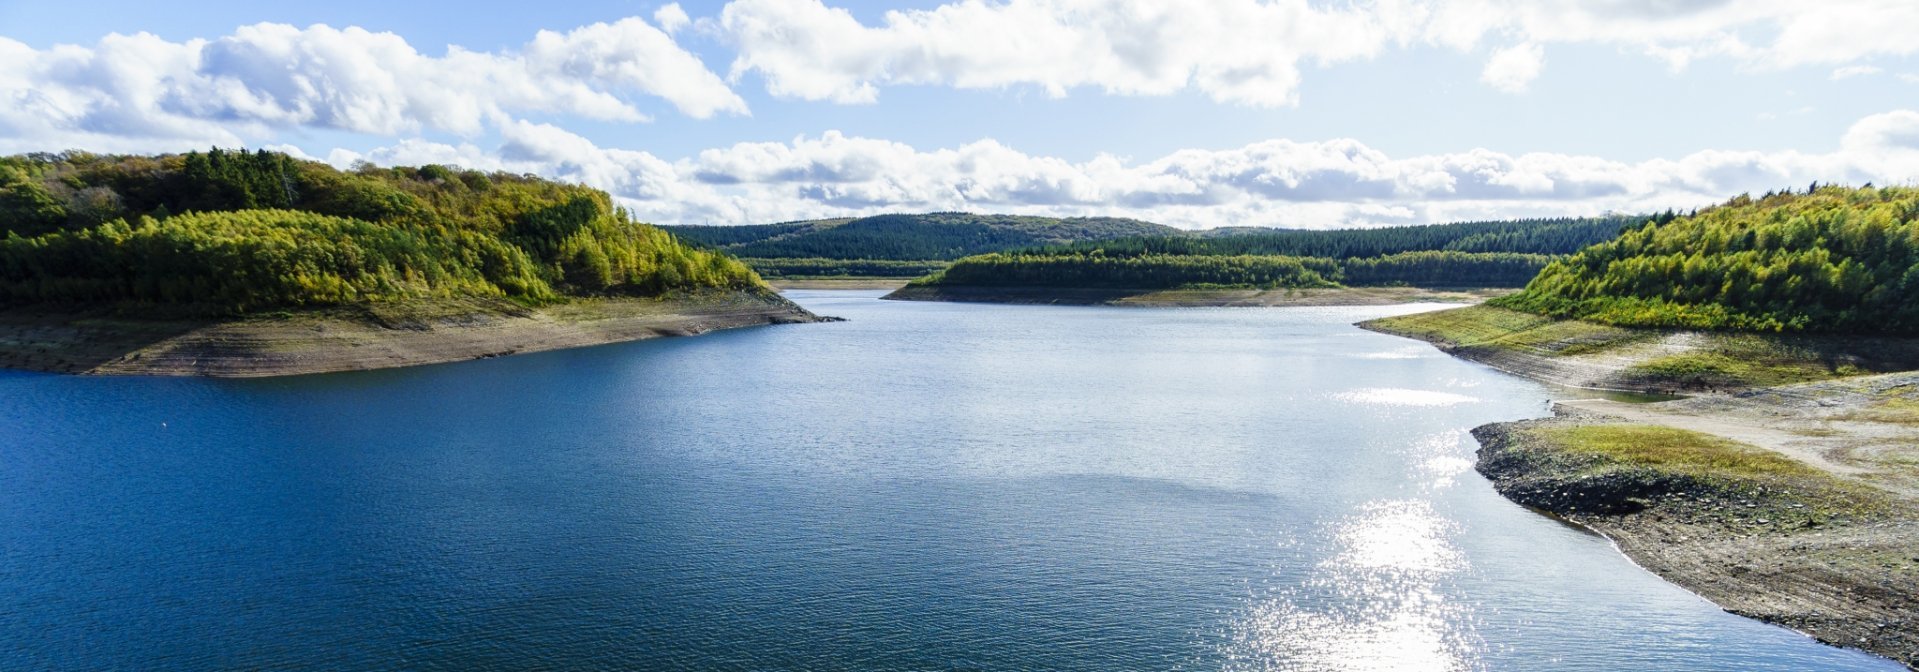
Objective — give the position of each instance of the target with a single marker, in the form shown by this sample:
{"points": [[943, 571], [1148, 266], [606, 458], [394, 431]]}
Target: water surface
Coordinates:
{"points": [[925, 486]]}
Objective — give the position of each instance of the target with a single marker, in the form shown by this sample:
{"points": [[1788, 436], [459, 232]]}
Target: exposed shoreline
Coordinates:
{"points": [[1824, 541], [1592, 356], [1195, 298], [1841, 568], [838, 283], [358, 338]]}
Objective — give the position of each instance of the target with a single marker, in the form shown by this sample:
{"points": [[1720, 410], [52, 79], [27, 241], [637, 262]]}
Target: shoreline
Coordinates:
{"points": [[784, 284], [365, 337], [1787, 493], [1195, 298], [1586, 355], [1817, 558]]}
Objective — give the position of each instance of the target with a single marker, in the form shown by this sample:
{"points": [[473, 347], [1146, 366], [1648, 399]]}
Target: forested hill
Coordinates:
{"points": [[235, 231], [1467, 254], [937, 236], [1526, 236], [1832, 259]]}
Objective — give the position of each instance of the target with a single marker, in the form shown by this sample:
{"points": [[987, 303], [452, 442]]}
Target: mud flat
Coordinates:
{"points": [[1191, 298], [373, 336]]}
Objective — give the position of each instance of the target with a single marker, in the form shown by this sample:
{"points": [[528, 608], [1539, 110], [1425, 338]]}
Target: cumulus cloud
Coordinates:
{"points": [[131, 92], [1514, 68], [1251, 51], [671, 18], [1272, 183]]}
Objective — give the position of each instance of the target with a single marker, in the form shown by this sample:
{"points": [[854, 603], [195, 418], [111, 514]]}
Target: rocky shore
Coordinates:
{"points": [[373, 336], [1765, 539]]}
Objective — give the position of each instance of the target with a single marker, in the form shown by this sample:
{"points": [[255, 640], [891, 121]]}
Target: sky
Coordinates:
{"points": [[1197, 114]]}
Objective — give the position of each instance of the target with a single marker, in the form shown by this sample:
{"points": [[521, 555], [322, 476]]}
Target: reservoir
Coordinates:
{"points": [[925, 486]]}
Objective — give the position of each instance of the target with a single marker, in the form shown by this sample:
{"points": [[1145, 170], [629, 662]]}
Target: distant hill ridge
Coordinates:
{"points": [[930, 236]]}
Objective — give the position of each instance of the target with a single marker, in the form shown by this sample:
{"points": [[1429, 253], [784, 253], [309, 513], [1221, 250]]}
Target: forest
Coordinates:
{"points": [[1529, 236], [884, 245], [939, 236], [232, 231], [1829, 259], [1169, 271]]}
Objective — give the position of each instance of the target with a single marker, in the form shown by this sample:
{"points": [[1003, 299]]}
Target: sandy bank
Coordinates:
{"points": [[1821, 553], [364, 337], [1192, 298]]}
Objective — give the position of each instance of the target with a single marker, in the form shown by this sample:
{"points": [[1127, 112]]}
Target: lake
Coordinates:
{"points": [[924, 486]]}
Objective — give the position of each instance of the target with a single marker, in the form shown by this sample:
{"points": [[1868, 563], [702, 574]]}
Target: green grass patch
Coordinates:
{"points": [[1677, 450], [1744, 360], [1492, 326]]}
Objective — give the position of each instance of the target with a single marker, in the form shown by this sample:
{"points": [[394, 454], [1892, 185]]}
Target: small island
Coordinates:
{"points": [[236, 263]]}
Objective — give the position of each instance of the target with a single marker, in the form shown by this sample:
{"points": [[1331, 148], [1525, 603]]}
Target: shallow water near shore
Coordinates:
{"points": [[924, 486]]}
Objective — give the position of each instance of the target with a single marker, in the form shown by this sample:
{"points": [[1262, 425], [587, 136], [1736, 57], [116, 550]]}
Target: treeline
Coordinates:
{"points": [[1828, 259], [867, 268], [235, 231], [941, 236], [948, 236], [1528, 236], [1171, 271]]}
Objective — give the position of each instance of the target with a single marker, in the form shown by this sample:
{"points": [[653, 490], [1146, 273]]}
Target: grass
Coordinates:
{"points": [[1895, 409], [1491, 326], [1676, 450], [1747, 360], [1718, 360]]}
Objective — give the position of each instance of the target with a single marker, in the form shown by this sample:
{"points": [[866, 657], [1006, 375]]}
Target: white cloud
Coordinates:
{"points": [[671, 18], [1514, 68], [1272, 183], [132, 92], [1251, 51], [1851, 71]]}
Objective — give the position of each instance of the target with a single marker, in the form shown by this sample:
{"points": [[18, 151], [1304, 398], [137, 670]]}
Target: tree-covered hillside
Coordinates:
{"points": [[1267, 271], [1828, 259], [235, 231], [1466, 254], [942, 236], [1527, 236]]}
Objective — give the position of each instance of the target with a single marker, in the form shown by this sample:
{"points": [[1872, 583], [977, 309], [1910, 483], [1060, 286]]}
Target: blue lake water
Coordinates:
{"points": [[925, 486]]}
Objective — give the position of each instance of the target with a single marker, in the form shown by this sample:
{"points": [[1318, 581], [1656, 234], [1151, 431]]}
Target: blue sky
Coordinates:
{"points": [[1620, 104]]}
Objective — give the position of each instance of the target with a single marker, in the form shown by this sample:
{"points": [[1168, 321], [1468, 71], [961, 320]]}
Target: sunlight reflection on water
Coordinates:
{"points": [[1393, 396], [1374, 605]]}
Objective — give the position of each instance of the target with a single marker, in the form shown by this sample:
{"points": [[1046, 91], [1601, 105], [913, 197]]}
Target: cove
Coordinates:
{"points": [[923, 486]]}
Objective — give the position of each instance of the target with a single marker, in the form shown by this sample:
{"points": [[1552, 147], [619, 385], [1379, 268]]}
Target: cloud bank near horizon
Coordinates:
{"points": [[1270, 183], [509, 109]]}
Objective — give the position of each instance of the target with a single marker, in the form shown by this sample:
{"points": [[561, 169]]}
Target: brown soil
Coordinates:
{"points": [[362, 337]]}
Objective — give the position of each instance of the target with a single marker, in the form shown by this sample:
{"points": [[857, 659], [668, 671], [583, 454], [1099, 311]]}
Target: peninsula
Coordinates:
{"points": [[1787, 489], [235, 263]]}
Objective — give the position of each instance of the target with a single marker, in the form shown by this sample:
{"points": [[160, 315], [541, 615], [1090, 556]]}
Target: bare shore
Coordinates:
{"points": [[1787, 490], [1196, 298], [1830, 553], [837, 283], [363, 337]]}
